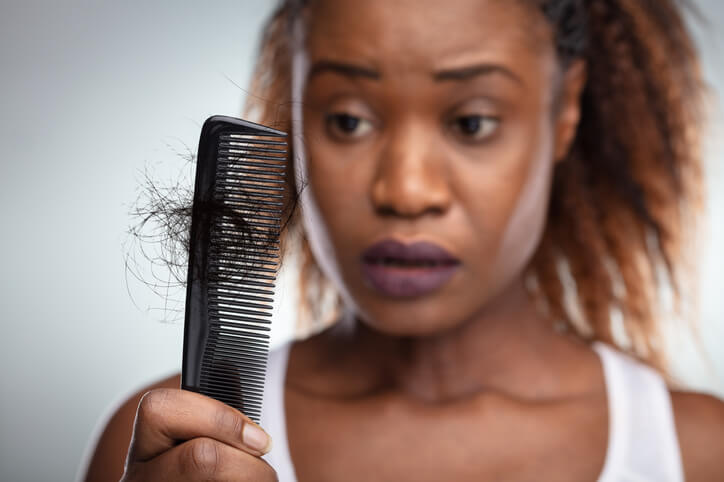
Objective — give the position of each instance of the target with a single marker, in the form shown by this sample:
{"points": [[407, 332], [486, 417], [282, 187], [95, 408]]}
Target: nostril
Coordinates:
{"points": [[386, 211], [408, 211]]}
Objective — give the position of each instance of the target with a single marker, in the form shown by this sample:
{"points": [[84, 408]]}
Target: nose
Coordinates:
{"points": [[410, 179]]}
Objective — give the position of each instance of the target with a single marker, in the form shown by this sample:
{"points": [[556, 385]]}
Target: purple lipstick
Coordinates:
{"points": [[407, 270]]}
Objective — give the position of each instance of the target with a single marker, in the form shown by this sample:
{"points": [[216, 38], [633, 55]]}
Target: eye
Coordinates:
{"points": [[475, 127], [347, 126]]}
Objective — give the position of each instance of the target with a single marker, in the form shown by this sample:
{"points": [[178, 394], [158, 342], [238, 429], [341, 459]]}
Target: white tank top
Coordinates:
{"points": [[642, 442]]}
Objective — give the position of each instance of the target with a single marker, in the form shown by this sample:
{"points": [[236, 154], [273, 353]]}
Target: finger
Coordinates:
{"points": [[204, 459], [167, 416]]}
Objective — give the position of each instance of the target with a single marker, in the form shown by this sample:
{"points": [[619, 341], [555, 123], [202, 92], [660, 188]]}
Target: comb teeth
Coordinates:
{"points": [[234, 260]]}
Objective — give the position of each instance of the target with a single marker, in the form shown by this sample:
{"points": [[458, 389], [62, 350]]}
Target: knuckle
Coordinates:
{"points": [[227, 421], [203, 457], [154, 403]]}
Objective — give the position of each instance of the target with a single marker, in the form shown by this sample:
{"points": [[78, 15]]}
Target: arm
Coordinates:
{"points": [[700, 427]]}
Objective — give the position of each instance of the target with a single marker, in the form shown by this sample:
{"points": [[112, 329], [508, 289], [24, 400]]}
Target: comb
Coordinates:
{"points": [[233, 261]]}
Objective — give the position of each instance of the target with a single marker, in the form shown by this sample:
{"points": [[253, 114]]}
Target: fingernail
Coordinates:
{"points": [[256, 438]]}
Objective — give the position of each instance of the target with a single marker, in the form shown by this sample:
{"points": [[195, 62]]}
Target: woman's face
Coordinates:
{"points": [[431, 135]]}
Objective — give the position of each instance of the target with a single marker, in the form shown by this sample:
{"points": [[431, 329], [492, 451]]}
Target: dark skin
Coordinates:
{"points": [[447, 134]]}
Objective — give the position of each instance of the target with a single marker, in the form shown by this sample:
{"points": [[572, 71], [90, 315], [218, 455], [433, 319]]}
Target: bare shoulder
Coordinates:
{"points": [[109, 455], [700, 428]]}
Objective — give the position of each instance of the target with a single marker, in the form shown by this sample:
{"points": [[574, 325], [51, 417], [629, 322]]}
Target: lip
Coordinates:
{"points": [[407, 270]]}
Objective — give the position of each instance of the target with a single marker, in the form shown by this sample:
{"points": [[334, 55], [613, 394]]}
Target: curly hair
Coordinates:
{"points": [[628, 193]]}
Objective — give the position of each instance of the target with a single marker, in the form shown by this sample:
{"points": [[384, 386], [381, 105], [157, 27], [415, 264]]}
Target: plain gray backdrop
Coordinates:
{"points": [[93, 94]]}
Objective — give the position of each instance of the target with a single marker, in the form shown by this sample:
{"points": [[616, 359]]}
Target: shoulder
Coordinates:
{"points": [[699, 422], [108, 457]]}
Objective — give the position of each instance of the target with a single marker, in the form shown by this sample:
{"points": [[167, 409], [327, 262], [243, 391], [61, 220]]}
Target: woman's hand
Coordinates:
{"points": [[181, 435]]}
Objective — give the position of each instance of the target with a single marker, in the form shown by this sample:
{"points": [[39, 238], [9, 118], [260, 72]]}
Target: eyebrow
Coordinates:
{"points": [[465, 73], [459, 74], [348, 70]]}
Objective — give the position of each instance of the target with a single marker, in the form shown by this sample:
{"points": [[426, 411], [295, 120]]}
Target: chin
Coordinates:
{"points": [[422, 317]]}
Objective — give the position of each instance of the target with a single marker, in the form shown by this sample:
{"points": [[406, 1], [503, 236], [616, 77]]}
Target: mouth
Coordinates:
{"points": [[402, 270]]}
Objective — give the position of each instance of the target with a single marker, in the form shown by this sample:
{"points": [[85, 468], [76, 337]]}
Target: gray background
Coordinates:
{"points": [[91, 94]]}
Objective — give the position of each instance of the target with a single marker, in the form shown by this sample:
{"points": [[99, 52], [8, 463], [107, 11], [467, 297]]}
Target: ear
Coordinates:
{"points": [[568, 112]]}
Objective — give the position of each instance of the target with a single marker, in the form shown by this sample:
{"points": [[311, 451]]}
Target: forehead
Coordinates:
{"points": [[426, 34]]}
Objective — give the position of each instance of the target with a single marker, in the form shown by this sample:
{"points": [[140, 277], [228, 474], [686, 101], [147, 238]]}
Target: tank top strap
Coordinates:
{"points": [[273, 414], [642, 442]]}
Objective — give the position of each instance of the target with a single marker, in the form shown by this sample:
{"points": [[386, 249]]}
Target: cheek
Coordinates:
{"points": [[339, 176], [334, 202], [340, 186], [508, 202], [526, 222]]}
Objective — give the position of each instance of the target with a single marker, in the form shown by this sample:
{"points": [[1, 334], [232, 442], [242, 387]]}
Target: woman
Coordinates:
{"points": [[494, 188]]}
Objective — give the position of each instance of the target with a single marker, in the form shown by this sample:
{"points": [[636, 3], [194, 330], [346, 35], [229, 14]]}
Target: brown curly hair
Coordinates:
{"points": [[626, 197]]}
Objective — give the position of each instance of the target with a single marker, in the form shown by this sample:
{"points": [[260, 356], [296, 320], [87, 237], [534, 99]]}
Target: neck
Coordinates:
{"points": [[506, 348]]}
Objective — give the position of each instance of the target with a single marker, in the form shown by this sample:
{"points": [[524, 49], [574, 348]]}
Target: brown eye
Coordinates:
{"points": [[475, 127], [348, 126]]}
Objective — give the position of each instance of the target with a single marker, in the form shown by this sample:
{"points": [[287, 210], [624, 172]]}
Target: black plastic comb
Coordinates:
{"points": [[233, 261]]}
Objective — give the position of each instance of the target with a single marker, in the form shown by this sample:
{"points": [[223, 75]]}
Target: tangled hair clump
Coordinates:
{"points": [[157, 246]]}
